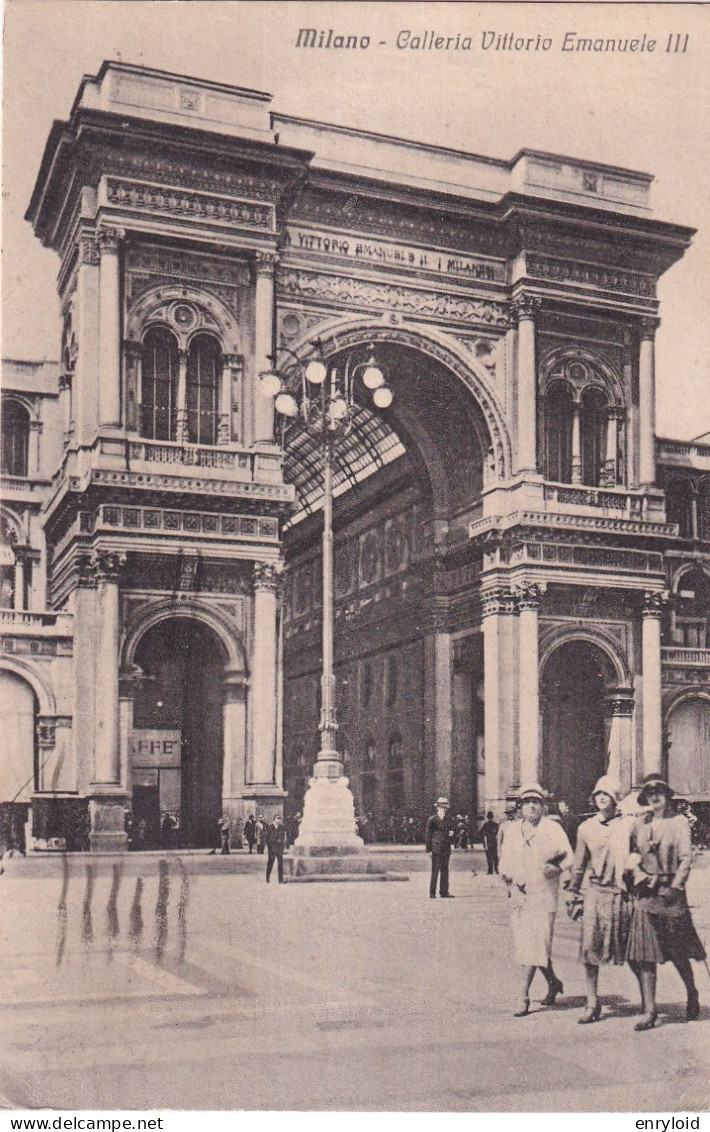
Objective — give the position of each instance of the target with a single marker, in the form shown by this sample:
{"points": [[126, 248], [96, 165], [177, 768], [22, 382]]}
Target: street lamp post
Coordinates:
{"points": [[314, 394]]}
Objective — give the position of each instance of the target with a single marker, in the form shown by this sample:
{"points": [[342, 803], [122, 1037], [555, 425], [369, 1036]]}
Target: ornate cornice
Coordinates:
{"points": [[372, 294]]}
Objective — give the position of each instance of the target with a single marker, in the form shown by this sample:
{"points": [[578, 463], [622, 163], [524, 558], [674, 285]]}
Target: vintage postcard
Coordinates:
{"points": [[355, 556]]}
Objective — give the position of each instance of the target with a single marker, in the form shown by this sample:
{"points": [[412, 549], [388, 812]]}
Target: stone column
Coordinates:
{"points": [[133, 353], [525, 308], [498, 689], [224, 428], [107, 795], [647, 402], [181, 431], [619, 710], [234, 715], [576, 443], [264, 305], [262, 699], [651, 661], [86, 325], [443, 713], [528, 600], [19, 579], [33, 448], [609, 477], [65, 406], [109, 240]]}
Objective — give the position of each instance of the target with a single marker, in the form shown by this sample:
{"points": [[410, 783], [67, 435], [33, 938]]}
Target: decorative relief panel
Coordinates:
{"points": [[590, 274], [164, 199], [149, 266], [371, 294], [167, 170]]}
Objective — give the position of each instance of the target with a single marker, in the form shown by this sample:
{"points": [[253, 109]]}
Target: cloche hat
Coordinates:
{"points": [[607, 785], [532, 790], [653, 780]]}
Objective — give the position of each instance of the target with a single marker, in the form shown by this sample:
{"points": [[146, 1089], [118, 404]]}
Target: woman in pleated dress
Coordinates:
{"points": [[662, 928]]}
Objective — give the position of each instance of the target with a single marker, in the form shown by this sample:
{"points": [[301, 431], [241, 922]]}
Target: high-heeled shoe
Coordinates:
{"points": [[591, 1014], [692, 1010], [553, 990], [647, 1022], [523, 1009]]}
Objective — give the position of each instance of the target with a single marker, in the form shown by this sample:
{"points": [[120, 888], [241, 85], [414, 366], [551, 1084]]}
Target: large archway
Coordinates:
{"points": [[176, 749], [408, 482], [575, 682]]}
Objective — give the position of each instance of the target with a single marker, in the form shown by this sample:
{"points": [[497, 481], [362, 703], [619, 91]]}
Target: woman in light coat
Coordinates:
{"points": [[535, 852]]}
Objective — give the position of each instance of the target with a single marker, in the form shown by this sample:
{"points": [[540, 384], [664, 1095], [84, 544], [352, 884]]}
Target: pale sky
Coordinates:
{"points": [[647, 111]]}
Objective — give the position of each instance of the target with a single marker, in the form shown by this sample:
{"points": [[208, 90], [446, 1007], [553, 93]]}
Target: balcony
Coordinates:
{"points": [[686, 658], [35, 634]]}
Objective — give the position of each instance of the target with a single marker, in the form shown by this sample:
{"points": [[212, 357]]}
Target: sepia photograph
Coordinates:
{"points": [[355, 555]]}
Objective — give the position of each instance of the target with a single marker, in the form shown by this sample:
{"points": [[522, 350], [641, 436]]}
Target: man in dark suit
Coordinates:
{"points": [[439, 832], [275, 843]]}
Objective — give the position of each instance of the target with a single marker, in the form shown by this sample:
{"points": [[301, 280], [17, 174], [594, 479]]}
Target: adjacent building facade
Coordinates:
{"points": [[522, 569]]}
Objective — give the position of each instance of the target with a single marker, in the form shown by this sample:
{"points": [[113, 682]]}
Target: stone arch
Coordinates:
{"points": [[553, 639], [687, 568], [336, 337], [41, 688], [11, 523], [229, 636], [604, 376], [29, 404], [186, 311]]}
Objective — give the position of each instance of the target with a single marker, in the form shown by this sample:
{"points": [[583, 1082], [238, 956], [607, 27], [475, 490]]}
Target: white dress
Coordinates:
{"points": [[526, 851]]}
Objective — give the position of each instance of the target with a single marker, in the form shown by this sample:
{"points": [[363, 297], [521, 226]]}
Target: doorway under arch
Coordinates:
{"points": [[176, 750], [574, 734]]}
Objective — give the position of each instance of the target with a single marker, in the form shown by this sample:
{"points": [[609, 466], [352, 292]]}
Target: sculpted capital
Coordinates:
{"points": [[648, 328], [267, 576], [108, 565], [109, 240], [526, 306]]}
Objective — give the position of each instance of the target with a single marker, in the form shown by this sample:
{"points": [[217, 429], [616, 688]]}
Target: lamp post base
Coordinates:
{"points": [[328, 825]]}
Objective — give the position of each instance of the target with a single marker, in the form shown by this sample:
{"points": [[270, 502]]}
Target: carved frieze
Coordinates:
{"points": [[188, 205], [169, 170], [275, 492], [339, 290], [590, 274]]}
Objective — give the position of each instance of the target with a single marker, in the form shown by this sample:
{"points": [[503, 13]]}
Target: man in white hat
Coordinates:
{"points": [[439, 833]]}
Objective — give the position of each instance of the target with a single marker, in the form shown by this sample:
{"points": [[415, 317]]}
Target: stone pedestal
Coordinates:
{"points": [[328, 826], [107, 813]]}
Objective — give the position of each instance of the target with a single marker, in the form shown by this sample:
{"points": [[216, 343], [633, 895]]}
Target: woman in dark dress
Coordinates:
{"points": [[661, 929]]}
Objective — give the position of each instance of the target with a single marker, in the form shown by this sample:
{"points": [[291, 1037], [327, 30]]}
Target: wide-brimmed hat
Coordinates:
{"points": [[444, 802], [607, 785], [653, 780], [534, 791]]}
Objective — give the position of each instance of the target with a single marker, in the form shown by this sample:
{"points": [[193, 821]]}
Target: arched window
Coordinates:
{"points": [[203, 389], [679, 505], [15, 438], [558, 433], [395, 774], [159, 385], [592, 422]]}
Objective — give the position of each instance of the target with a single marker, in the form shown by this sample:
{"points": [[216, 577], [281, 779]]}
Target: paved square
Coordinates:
{"points": [[188, 987]]}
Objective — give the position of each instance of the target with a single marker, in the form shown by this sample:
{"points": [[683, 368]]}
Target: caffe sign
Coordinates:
{"points": [[387, 254]]}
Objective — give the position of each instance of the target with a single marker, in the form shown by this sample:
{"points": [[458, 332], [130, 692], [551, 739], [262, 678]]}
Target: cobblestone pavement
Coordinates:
{"points": [[141, 985]]}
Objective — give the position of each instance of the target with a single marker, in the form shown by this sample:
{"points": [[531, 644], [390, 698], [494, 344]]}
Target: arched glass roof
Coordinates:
{"points": [[367, 447]]}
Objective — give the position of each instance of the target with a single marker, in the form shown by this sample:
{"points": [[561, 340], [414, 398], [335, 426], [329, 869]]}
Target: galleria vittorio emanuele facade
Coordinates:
{"points": [[522, 568]]}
